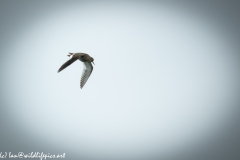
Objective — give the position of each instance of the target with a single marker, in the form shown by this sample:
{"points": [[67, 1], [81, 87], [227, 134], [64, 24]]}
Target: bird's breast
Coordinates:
{"points": [[81, 59]]}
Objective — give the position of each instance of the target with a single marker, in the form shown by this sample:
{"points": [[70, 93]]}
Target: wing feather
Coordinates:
{"points": [[66, 64], [87, 70]]}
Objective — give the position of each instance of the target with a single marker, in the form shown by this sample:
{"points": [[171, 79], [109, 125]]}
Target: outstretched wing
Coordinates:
{"points": [[70, 61], [87, 70]]}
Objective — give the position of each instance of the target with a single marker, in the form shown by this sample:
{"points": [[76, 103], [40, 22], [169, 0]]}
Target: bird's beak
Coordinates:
{"points": [[93, 63]]}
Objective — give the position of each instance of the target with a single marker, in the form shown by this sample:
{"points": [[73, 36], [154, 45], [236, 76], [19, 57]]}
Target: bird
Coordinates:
{"points": [[87, 66]]}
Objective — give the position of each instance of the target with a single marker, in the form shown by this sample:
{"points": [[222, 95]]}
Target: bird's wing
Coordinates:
{"points": [[87, 70], [70, 61]]}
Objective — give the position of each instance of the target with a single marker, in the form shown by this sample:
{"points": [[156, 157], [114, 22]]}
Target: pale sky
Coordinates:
{"points": [[165, 79]]}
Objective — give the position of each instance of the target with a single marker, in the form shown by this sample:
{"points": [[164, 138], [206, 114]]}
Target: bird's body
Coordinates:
{"points": [[87, 66]]}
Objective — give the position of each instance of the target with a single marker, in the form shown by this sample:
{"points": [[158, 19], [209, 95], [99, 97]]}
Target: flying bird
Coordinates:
{"points": [[87, 66]]}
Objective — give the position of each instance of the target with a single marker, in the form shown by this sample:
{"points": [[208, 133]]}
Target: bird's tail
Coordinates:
{"points": [[70, 54]]}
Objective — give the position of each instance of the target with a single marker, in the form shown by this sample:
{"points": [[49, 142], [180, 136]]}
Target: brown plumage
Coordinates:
{"points": [[87, 66]]}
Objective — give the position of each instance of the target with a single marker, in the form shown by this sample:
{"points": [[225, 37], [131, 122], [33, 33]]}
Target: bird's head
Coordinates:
{"points": [[92, 60], [86, 58]]}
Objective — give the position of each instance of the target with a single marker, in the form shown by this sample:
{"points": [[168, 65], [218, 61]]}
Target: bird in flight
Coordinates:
{"points": [[87, 66]]}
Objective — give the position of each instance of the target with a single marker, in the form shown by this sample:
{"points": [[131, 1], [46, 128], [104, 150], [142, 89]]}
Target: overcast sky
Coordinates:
{"points": [[165, 83]]}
